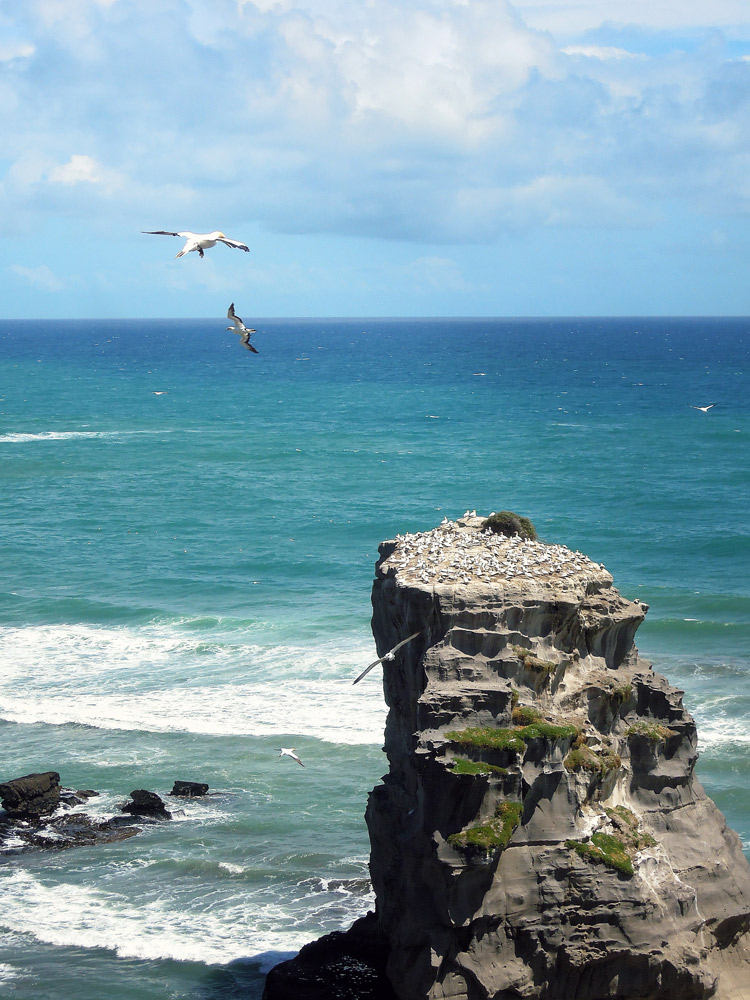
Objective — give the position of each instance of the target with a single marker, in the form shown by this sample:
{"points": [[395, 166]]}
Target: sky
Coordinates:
{"points": [[379, 157]]}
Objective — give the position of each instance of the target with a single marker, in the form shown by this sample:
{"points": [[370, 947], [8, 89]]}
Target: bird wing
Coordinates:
{"points": [[231, 314], [387, 655], [250, 347], [163, 232], [233, 243]]}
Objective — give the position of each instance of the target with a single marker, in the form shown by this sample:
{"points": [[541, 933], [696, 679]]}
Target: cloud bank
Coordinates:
{"points": [[446, 121]]}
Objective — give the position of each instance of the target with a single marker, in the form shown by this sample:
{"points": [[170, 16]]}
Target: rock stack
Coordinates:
{"points": [[540, 833]]}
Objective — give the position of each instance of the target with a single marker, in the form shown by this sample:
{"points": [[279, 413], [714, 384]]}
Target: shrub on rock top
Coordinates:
{"points": [[509, 524]]}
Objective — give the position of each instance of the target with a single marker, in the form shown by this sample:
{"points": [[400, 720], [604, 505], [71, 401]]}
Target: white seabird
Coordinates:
{"points": [[390, 655], [198, 241], [240, 328], [289, 752], [704, 409]]}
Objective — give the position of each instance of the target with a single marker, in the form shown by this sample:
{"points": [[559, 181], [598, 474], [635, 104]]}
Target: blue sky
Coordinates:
{"points": [[380, 157]]}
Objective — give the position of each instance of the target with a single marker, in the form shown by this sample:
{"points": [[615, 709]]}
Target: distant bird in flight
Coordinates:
{"points": [[198, 241], [703, 409], [289, 752], [240, 328]]}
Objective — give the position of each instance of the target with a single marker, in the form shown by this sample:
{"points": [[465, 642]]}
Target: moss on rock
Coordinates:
{"points": [[462, 765], [489, 836], [654, 731]]}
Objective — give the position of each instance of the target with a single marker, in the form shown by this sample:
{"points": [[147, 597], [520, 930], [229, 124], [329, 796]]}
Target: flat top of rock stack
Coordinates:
{"points": [[460, 553]]}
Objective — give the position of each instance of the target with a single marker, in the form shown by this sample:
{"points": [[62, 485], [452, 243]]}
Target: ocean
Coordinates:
{"points": [[188, 536]]}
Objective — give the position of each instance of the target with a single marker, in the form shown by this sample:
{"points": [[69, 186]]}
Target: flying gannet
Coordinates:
{"points": [[704, 409], [198, 241], [390, 655], [240, 328], [289, 752]]}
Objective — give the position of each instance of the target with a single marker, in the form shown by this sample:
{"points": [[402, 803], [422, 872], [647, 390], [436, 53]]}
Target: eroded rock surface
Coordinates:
{"points": [[541, 832]]}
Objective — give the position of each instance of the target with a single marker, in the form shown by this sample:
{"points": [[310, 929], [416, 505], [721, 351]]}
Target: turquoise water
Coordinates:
{"points": [[185, 586]]}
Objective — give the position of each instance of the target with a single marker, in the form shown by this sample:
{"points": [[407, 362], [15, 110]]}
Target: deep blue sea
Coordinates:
{"points": [[187, 540]]}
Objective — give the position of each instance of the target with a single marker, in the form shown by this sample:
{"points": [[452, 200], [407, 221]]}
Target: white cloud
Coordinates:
{"points": [[602, 52], [427, 120], [567, 17], [79, 168], [10, 50], [40, 277]]}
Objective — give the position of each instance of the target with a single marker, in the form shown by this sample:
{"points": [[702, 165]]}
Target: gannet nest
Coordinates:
{"points": [[459, 552]]}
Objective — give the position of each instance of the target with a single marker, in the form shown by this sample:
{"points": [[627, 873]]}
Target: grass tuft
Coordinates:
{"points": [[654, 731], [510, 739], [489, 836], [532, 662], [462, 765], [583, 758]]}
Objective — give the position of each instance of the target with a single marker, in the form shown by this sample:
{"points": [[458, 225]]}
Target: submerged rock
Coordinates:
{"points": [[189, 789], [540, 832]]}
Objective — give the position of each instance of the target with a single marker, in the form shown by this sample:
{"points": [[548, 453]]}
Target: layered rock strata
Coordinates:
{"points": [[540, 832]]}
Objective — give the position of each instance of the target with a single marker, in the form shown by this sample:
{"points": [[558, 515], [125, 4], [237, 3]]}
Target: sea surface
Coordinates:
{"points": [[187, 539]]}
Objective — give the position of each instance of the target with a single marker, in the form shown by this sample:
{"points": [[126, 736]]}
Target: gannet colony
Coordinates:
{"points": [[461, 552]]}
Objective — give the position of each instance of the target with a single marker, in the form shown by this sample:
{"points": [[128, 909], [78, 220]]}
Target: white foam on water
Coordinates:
{"points": [[80, 916], [23, 437], [7, 973], [158, 679], [718, 731]]}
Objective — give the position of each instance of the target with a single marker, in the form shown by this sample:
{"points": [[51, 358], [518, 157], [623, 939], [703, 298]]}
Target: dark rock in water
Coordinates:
{"points": [[541, 833], [189, 789], [146, 804], [77, 798], [77, 830], [339, 966], [31, 796]]}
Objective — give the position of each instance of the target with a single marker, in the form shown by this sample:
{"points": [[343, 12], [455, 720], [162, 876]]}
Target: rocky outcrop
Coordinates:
{"points": [[146, 805], [35, 816], [540, 833], [339, 966], [189, 789], [32, 796]]}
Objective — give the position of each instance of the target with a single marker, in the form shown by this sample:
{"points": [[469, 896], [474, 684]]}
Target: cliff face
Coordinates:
{"points": [[541, 832]]}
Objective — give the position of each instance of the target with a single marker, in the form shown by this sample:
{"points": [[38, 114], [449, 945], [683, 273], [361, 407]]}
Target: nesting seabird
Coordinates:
{"points": [[289, 752], [198, 241], [240, 328]]}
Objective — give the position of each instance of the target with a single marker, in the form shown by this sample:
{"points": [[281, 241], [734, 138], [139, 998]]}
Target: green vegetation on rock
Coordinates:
{"points": [[621, 694], [654, 731], [462, 765], [604, 849], [627, 822], [522, 715], [584, 758], [547, 731], [492, 835], [488, 739], [508, 523], [615, 851], [510, 739], [532, 662]]}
